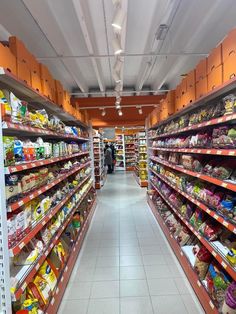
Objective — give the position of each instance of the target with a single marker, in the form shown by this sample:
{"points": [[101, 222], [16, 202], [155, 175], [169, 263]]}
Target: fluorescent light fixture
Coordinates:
{"points": [[118, 19], [120, 113], [118, 65], [103, 113], [116, 77], [118, 106], [117, 46], [161, 32]]}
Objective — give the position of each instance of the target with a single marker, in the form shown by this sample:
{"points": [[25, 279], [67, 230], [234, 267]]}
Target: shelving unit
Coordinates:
{"points": [[130, 152], [140, 169], [67, 185], [168, 168], [120, 152], [99, 168]]}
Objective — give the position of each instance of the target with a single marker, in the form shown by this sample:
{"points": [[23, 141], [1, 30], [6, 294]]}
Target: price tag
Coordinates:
{"points": [[223, 264], [37, 266], [24, 286], [31, 196], [199, 283], [13, 169], [231, 153], [225, 223], [224, 184], [216, 216], [20, 203], [208, 151], [218, 152], [24, 167], [214, 253], [21, 245], [208, 211], [52, 301], [57, 291], [211, 304], [220, 120]]}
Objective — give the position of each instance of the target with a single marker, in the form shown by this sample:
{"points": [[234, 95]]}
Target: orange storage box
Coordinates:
{"points": [[215, 78], [66, 102], [229, 45], [155, 116], [183, 86], [19, 50], [201, 88], [35, 74], [190, 95], [214, 59], [23, 72], [229, 67], [201, 70], [191, 80], [7, 59], [59, 93], [45, 81]]}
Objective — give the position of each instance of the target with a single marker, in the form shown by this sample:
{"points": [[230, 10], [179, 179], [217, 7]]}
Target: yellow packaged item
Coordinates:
{"points": [[49, 274], [5, 106]]}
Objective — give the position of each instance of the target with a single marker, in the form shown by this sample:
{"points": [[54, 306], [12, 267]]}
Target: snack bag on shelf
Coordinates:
{"points": [[203, 260], [229, 104], [49, 273], [229, 305], [183, 236], [8, 146], [210, 230], [18, 151], [197, 219], [5, 107], [40, 289], [19, 109]]}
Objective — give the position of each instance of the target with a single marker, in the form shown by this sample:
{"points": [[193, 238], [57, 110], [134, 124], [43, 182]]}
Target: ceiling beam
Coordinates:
{"points": [[90, 46], [109, 101]]}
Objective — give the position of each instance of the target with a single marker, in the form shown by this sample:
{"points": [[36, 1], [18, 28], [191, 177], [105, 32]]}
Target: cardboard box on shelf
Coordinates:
{"points": [[35, 74], [7, 59], [215, 78], [229, 67], [190, 95], [23, 72], [214, 59], [191, 80], [19, 50], [229, 45], [59, 93], [201, 70], [201, 88], [183, 86], [46, 81]]}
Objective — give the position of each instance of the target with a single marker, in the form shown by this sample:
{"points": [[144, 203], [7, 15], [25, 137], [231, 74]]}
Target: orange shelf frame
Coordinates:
{"points": [[202, 206], [220, 152], [222, 260], [200, 291], [38, 163], [221, 183], [61, 287], [14, 250], [35, 267], [14, 206]]}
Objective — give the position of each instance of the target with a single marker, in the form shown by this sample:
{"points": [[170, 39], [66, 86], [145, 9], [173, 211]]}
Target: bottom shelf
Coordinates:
{"points": [[142, 183], [200, 291], [59, 292]]}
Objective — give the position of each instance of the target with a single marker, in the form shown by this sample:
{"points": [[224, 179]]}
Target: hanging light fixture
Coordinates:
{"points": [[117, 46], [118, 19], [140, 110], [116, 77], [118, 65], [120, 113], [103, 113]]}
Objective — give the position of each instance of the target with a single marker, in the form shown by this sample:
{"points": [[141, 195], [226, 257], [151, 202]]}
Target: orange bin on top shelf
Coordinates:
{"points": [[59, 93], [155, 116], [229, 56], [201, 78], [46, 81], [191, 87], [7, 59], [178, 105], [214, 68], [23, 59], [35, 74]]}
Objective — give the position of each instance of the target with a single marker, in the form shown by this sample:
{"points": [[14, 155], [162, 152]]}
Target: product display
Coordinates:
{"points": [[129, 152], [140, 170], [120, 152], [195, 192], [98, 155]]}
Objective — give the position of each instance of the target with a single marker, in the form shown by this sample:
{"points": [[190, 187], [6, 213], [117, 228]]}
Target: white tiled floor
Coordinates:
{"points": [[126, 266]]}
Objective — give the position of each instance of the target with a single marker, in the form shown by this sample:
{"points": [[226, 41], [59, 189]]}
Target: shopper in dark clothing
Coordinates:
{"points": [[108, 158]]}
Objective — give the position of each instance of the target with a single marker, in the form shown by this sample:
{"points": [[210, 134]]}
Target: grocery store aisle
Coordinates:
{"points": [[126, 266]]}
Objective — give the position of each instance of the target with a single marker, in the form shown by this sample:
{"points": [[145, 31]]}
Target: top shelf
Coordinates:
{"points": [[27, 93], [201, 125], [215, 94]]}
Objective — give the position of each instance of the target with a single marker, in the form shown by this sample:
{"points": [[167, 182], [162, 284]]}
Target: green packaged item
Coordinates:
{"points": [[8, 145], [19, 109]]}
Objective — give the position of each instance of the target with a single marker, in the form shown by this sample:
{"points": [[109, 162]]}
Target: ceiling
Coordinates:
{"points": [[74, 39]]}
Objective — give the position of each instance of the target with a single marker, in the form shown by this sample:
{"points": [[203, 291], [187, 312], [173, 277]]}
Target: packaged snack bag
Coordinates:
{"points": [[18, 151], [229, 305], [5, 106], [19, 109], [8, 146], [203, 259], [48, 273]]}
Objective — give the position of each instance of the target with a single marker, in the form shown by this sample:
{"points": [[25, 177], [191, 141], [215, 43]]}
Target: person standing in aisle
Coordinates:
{"points": [[108, 158], [113, 151]]}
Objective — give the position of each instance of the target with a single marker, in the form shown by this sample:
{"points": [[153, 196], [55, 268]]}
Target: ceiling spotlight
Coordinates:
{"points": [[117, 46], [118, 19], [120, 113], [118, 106], [103, 112], [140, 110], [118, 87], [118, 99]]}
